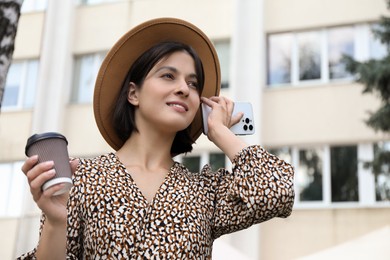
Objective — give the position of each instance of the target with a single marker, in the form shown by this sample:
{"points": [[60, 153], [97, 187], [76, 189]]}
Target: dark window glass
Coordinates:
{"points": [[309, 175], [86, 68], [378, 49], [13, 85], [223, 50], [279, 58], [344, 179], [217, 160], [340, 42], [192, 163], [283, 153], [382, 169], [309, 49], [21, 84]]}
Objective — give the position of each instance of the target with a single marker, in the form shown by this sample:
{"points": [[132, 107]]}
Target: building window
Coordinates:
{"points": [[21, 84], [192, 163], [309, 165], [377, 49], [340, 42], [217, 161], [324, 175], [195, 163], [86, 68], [382, 179], [309, 53], [12, 184], [283, 153], [279, 58], [223, 51], [33, 6], [344, 178], [309, 175], [296, 58], [93, 2]]}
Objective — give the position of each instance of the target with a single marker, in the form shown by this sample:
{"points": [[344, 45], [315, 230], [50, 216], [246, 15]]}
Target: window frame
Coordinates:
{"points": [[98, 2], [23, 85], [204, 158], [225, 82], [366, 179], [361, 42], [75, 97], [29, 6]]}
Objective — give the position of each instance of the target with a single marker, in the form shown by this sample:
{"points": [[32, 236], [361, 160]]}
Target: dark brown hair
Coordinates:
{"points": [[123, 117]]}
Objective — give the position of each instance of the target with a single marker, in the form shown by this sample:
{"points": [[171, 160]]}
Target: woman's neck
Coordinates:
{"points": [[147, 151]]}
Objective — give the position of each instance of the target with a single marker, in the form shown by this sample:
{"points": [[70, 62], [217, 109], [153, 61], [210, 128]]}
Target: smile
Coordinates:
{"points": [[178, 105]]}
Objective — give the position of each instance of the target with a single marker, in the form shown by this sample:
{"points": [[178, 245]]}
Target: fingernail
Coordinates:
{"points": [[49, 163]]}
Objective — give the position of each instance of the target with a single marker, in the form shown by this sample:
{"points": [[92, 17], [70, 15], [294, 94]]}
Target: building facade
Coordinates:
{"points": [[282, 56]]}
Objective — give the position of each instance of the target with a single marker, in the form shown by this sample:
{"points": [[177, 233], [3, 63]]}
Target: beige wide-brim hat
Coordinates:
{"points": [[129, 47]]}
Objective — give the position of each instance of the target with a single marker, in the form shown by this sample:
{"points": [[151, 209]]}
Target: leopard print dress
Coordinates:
{"points": [[109, 218]]}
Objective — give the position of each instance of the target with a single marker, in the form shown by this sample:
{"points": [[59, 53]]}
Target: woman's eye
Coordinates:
{"points": [[168, 76], [193, 84]]}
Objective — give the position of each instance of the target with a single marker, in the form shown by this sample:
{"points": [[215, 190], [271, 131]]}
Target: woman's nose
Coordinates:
{"points": [[183, 88]]}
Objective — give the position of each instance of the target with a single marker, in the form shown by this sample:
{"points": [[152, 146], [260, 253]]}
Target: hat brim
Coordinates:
{"points": [[129, 47]]}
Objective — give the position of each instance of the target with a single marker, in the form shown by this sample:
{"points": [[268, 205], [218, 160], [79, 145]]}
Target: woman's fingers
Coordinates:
{"points": [[216, 103], [37, 174], [220, 100], [224, 108], [49, 192], [207, 101], [54, 206], [236, 118], [38, 169], [29, 163], [37, 181]]}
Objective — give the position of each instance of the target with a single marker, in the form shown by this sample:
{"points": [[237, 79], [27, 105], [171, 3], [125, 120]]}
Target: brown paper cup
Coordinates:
{"points": [[52, 147]]}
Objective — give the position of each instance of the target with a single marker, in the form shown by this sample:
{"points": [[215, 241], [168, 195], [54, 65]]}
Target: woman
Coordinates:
{"points": [[138, 202]]}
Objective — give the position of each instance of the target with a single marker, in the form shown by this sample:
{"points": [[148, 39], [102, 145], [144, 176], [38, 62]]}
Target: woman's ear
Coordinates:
{"points": [[132, 97]]}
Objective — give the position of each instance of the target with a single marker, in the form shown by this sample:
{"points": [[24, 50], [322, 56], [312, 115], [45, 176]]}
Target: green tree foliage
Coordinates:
{"points": [[374, 74]]}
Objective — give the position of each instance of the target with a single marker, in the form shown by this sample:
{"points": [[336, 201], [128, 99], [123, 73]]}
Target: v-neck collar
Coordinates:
{"points": [[159, 191]]}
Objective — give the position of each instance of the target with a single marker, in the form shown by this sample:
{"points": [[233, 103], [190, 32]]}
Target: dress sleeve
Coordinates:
{"points": [[260, 187], [74, 241]]}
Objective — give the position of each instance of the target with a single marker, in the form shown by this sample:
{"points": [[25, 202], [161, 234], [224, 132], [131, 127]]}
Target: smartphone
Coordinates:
{"points": [[246, 125]]}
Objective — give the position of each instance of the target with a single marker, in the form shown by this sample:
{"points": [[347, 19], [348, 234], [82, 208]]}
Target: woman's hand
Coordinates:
{"points": [[54, 207], [221, 114], [219, 122]]}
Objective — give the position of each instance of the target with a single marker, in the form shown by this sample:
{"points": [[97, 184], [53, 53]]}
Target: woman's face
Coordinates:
{"points": [[168, 99]]}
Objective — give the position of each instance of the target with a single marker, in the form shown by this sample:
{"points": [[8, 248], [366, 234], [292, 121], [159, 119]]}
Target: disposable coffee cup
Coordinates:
{"points": [[52, 147]]}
